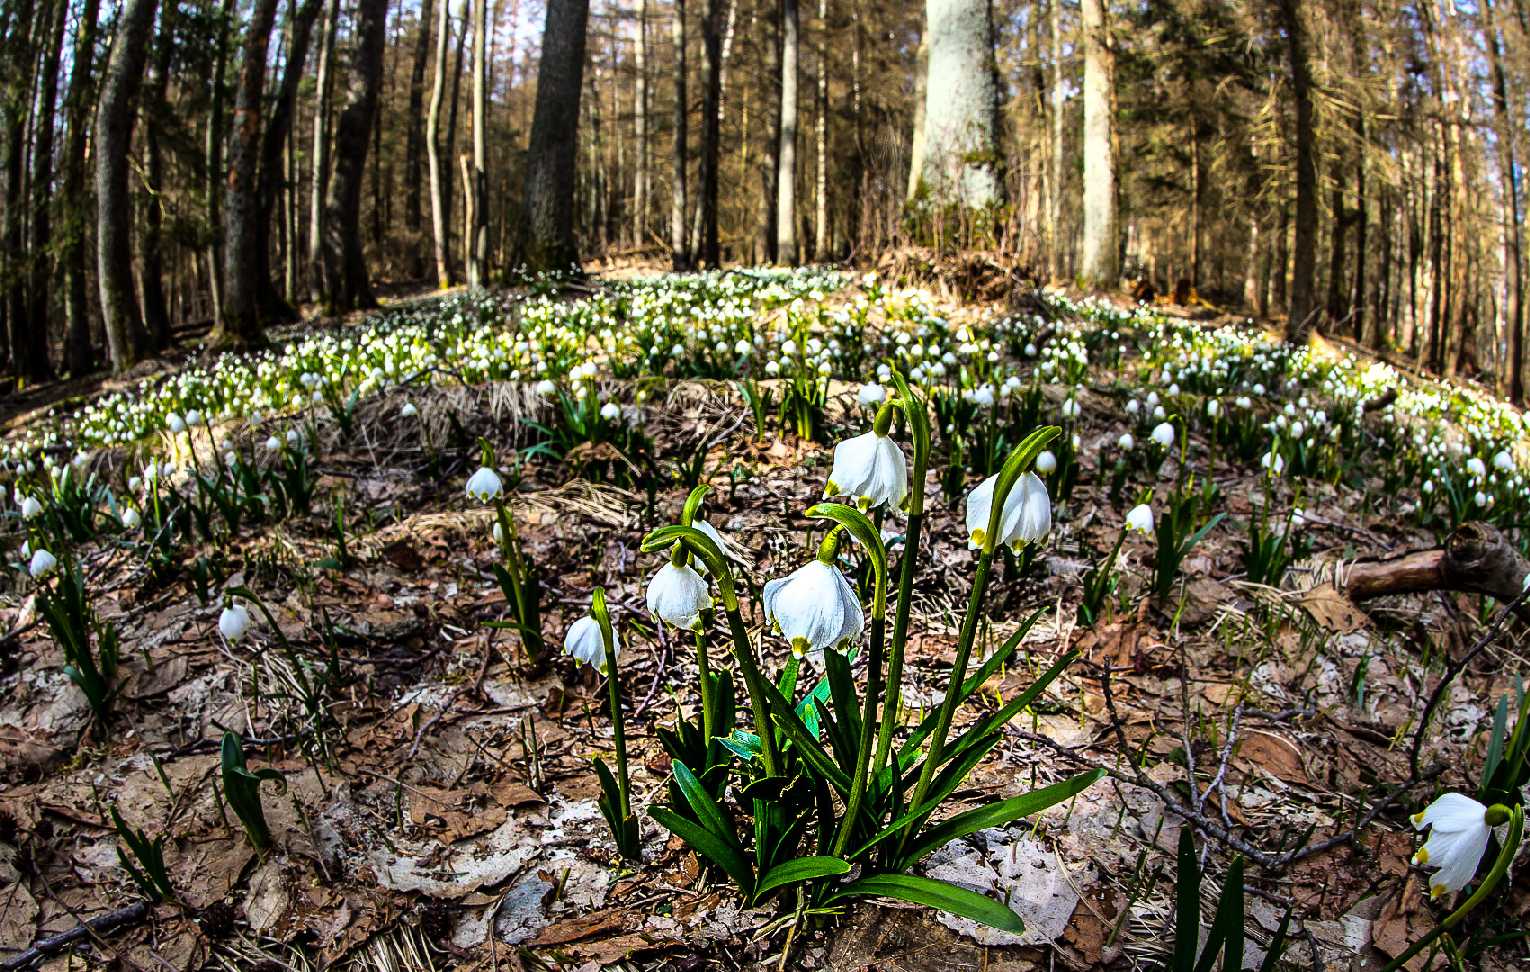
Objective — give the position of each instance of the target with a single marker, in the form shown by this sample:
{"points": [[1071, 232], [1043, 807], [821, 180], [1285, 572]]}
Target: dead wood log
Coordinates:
{"points": [[100, 925], [1476, 559]]}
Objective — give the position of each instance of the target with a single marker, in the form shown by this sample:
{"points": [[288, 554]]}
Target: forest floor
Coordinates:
{"points": [[446, 816]]}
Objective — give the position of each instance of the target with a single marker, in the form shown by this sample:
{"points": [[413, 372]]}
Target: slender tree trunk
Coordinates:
{"points": [[345, 268], [961, 148], [156, 314], [640, 129], [821, 236], [79, 352], [324, 86], [921, 89], [241, 324], [1055, 235], [26, 26], [711, 129], [680, 258], [447, 193], [1304, 261], [478, 243], [550, 155], [1336, 311], [1099, 266], [438, 214], [416, 140], [213, 172], [786, 158], [273, 307], [115, 115], [1508, 144], [30, 356]]}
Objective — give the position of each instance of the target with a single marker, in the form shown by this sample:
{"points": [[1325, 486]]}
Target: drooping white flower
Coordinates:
{"points": [[130, 518], [1163, 434], [871, 468], [814, 608], [1046, 463], [234, 622], [484, 485], [678, 594], [42, 564], [871, 394], [1273, 463], [1476, 467], [1457, 838], [610, 411], [1140, 518], [409, 410], [1213, 408], [546, 389], [273, 443], [31, 507], [1503, 461], [1027, 514], [1127, 442], [175, 423], [585, 642]]}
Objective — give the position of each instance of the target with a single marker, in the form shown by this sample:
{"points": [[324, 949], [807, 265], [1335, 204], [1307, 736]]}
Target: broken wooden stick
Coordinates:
{"points": [[100, 925], [1476, 559]]}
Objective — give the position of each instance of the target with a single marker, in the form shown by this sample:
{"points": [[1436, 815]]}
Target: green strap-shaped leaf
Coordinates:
{"points": [[708, 845], [1012, 708], [1227, 928], [1001, 813], [799, 870], [941, 895], [706, 809], [1187, 904]]}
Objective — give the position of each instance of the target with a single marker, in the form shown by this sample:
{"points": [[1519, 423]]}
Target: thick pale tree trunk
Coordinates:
{"points": [[115, 115], [241, 325], [345, 267], [440, 231], [961, 149], [921, 88], [786, 157], [79, 353], [1304, 258], [551, 153], [324, 87], [1098, 264]]}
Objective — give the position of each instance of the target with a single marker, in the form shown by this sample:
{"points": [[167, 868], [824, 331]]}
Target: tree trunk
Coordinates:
{"points": [[115, 115], [438, 214], [415, 142], [447, 192], [478, 242], [1099, 266], [16, 74], [273, 307], [786, 158], [1059, 145], [212, 174], [79, 353], [551, 152], [680, 258], [921, 88], [324, 87], [156, 315], [345, 267], [30, 356], [711, 129], [1304, 260], [1514, 283], [822, 242], [241, 325], [640, 129], [961, 149]]}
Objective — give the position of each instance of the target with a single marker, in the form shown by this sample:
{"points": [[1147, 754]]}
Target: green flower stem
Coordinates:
{"points": [[704, 670], [618, 727], [890, 708], [958, 676], [1489, 883], [868, 716], [743, 651]]}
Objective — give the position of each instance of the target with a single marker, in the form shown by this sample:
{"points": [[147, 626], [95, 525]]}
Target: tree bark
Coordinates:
{"points": [[115, 115], [16, 77], [438, 213], [345, 267], [30, 355], [961, 148], [711, 129], [323, 97], [552, 151], [680, 257], [156, 314], [241, 324], [921, 87], [640, 129], [1476, 559], [1304, 258], [1055, 234], [786, 158], [1508, 144], [822, 242], [213, 169], [79, 353], [1099, 266], [478, 241], [414, 149]]}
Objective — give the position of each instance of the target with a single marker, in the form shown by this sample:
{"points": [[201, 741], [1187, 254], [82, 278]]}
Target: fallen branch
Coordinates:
{"points": [[1476, 559], [105, 924]]}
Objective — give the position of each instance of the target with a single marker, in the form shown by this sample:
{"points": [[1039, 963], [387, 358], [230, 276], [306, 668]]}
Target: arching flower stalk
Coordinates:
{"points": [[590, 634]]}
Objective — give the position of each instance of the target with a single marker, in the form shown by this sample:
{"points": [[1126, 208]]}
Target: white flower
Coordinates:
{"points": [[130, 518], [409, 411], [586, 643], [193, 417], [1163, 434], [1457, 838], [1070, 408], [1503, 461], [546, 389], [1476, 467], [175, 423], [42, 564], [1273, 463], [1213, 407], [234, 621], [1046, 463], [610, 411], [871, 468], [31, 507], [1027, 515], [273, 443], [1140, 518], [814, 608], [1133, 407], [871, 393], [983, 396], [678, 594], [1126, 442], [484, 485]]}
